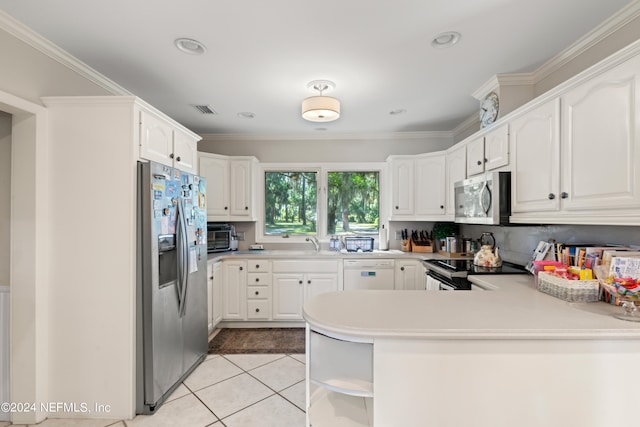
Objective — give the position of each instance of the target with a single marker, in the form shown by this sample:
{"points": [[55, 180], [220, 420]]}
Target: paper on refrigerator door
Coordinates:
{"points": [[193, 260]]}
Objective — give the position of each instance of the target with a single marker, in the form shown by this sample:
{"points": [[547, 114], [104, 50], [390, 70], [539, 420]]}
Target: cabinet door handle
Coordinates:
{"points": [[257, 310], [309, 282], [246, 208], [225, 208], [397, 207], [240, 268], [257, 279], [211, 277], [171, 156], [486, 160], [564, 195], [441, 206], [479, 162], [551, 196], [300, 282], [401, 268], [178, 158]]}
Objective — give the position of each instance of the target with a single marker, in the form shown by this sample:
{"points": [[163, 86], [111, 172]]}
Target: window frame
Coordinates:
{"points": [[322, 169]]}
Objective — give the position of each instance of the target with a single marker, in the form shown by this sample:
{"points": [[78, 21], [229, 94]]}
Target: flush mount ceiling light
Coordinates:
{"points": [[447, 39], [321, 108], [190, 46]]}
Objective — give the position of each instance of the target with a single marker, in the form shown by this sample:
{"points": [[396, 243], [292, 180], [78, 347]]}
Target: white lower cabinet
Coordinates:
{"points": [[294, 281], [288, 296], [217, 293], [234, 290], [342, 373], [214, 294], [409, 275]]}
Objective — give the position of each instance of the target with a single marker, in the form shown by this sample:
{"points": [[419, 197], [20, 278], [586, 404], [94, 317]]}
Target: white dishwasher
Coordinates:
{"points": [[368, 274]]}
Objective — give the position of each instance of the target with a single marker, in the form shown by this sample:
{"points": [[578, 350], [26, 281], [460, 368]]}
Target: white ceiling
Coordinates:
{"points": [[261, 54]]}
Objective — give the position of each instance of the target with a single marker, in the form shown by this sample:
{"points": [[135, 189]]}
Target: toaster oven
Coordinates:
{"points": [[218, 237]]}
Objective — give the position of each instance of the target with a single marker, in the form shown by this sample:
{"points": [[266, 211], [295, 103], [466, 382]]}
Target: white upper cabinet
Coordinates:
{"points": [[488, 152], [430, 185], [601, 141], [456, 165], [185, 152], [475, 156], [575, 158], [216, 171], [402, 186], [535, 156], [418, 186], [162, 142], [241, 202], [230, 187]]}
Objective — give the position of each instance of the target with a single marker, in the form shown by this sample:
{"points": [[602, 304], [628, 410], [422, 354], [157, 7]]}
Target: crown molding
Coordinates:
{"points": [[396, 136], [17, 29], [623, 17]]}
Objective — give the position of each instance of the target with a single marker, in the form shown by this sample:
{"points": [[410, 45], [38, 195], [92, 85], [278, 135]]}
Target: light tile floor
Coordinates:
{"points": [[244, 390]]}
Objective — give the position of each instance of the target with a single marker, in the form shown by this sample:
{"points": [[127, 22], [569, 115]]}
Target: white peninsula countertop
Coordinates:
{"points": [[512, 308], [508, 356]]}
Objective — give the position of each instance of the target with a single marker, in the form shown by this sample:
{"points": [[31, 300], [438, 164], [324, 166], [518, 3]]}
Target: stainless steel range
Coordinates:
{"points": [[451, 274]]}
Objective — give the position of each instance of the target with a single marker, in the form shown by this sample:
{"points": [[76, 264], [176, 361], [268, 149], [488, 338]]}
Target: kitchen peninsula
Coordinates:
{"points": [[506, 356]]}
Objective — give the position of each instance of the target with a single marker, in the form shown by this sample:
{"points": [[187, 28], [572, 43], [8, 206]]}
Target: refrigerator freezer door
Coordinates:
{"points": [[172, 303]]}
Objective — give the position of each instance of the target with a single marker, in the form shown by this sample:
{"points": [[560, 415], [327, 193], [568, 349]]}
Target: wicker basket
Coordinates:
{"points": [[569, 290]]}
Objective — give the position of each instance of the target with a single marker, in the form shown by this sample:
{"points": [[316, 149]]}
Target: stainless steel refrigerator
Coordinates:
{"points": [[171, 281]]}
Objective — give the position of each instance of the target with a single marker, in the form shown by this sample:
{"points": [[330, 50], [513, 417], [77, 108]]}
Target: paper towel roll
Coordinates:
{"points": [[383, 242]]}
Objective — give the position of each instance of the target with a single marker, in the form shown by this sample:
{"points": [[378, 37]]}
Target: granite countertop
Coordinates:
{"points": [[513, 309]]}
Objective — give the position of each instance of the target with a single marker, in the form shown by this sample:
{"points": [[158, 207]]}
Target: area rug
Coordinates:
{"points": [[258, 340]]}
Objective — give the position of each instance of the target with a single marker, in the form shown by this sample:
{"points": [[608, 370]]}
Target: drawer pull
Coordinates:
{"points": [[257, 279], [300, 282], [309, 282], [257, 265], [257, 310], [257, 292]]}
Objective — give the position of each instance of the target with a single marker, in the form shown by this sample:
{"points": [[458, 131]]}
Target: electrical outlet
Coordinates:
{"points": [[398, 235], [240, 235]]}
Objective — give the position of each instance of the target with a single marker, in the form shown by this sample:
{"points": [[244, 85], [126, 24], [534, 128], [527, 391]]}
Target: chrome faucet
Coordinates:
{"points": [[315, 242]]}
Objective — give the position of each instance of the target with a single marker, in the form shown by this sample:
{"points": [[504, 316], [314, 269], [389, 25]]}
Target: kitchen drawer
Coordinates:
{"points": [[259, 309], [296, 266], [258, 266], [258, 292], [259, 279]]}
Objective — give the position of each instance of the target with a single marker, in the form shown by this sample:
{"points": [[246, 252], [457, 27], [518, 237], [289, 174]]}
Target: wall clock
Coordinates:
{"points": [[489, 109]]}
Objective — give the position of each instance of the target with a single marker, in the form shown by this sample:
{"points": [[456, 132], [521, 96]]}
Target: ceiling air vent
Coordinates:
{"points": [[205, 109]]}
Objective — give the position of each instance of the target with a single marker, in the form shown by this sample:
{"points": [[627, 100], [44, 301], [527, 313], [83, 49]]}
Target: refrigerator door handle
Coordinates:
{"points": [[183, 258]]}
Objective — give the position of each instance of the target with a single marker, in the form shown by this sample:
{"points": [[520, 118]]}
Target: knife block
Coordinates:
{"points": [[405, 245], [418, 247]]}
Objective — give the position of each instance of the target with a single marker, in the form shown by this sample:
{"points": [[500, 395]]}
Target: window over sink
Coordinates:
{"points": [[319, 200]]}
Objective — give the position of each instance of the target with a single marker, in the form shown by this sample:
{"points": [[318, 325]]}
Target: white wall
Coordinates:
{"points": [[345, 149], [5, 196]]}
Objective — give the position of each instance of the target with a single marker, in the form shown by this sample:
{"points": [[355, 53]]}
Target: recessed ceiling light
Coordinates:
{"points": [[446, 39], [246, 114], [397, 111], [190, 46]]}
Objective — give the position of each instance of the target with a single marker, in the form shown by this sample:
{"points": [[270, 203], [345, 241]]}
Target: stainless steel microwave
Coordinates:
{"points": [[484, 199]]}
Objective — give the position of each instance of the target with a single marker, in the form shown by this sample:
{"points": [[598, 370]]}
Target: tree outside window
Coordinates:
{"points": [[353, 202]]}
